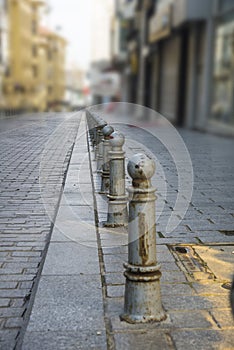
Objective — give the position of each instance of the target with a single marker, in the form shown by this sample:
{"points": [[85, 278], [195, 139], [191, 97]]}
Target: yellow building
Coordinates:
{"points": [[55, 64], [35, 77]]}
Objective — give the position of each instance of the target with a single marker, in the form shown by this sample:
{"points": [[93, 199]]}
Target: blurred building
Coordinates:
{"points": [[34, 78], [54, 47], [180, 56], [76, 88], [101, 42], [3, 47]]}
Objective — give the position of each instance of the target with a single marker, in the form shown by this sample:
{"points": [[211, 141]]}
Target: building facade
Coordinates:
{"points": [[34, 74], [3, 47], [180, 55], [54, 48]]}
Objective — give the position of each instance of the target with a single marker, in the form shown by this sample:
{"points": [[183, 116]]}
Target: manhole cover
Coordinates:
{"points": [[194, 266]]}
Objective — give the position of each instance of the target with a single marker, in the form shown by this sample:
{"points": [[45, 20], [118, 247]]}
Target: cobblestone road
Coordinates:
{"points": [[35, 152], [196, 257], [209, 217]]}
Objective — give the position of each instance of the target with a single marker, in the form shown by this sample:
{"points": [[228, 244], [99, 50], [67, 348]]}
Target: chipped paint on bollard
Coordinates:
{"points": [[117, 204], [142, 288], [107, 131]]}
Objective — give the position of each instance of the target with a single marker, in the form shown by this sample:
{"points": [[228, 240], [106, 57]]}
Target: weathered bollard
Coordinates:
{"points": [[117, 204], [91, 126], [98, 143], [107, 131], [142, 288]]}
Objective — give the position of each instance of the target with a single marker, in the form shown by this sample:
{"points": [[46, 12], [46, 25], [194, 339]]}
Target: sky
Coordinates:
{"points": [[76, 21]]}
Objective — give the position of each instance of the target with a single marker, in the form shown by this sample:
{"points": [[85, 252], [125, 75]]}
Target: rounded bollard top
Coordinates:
{"points": [[107, 130], [101, 123], [117, 139], [140, 167]]}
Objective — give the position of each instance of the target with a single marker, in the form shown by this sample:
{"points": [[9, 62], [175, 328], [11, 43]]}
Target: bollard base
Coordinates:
{"points": [[143, 319], [142, 295], [117, 212]]}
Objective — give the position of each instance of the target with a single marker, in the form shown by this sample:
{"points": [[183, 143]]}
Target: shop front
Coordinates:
{"points": [[222, 102]]}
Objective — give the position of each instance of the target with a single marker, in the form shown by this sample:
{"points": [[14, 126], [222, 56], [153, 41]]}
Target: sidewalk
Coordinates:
{"points": [[80, 293]]}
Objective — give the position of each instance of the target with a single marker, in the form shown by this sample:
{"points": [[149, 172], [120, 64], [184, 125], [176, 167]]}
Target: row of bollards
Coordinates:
{"points": [[142, 288]]}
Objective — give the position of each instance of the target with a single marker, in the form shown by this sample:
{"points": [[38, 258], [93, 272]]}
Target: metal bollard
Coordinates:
{"points": [[117, 205], [107, 131], [142, 287], [98, 140], [91, 126]]}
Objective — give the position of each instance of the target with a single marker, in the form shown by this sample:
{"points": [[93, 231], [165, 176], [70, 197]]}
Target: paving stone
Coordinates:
{"points": [[173, 276], [11, 311], [115, 291], [71, 259], [65, 340], [16, 322], [8, 285], [54, 310], [13, 293], [115, 306], [116, 267], [114, 278], [26, 253], [176, 288], [4, 302], [216, 257], [224, 318], [192, 302], [19, 277], [195, 319], [142, 340], [8, 339], [203, 340]]}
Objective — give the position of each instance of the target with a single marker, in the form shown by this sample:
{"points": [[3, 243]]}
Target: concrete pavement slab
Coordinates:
{"points": [[65, 304], [71, 258], [139, 340], [68, 340], [203, 339]]}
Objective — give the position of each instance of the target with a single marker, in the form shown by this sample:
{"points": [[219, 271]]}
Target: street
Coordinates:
{"points": [[37, 161]]}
